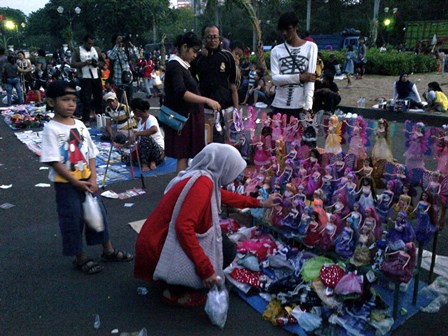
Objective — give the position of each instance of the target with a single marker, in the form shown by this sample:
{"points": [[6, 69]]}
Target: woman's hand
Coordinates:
{"points": [[213, 280], [213, 104], [272, 201]]}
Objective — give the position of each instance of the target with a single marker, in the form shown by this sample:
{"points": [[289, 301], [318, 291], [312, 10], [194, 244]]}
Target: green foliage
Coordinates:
{"points": [[390, 63]]}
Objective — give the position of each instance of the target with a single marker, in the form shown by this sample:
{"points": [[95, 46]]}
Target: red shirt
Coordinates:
{"points": [[194, 217]]}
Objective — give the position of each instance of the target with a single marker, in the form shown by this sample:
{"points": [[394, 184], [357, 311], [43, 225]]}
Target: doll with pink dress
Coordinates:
{"points": [[434, 189], [417, 145], [371, 220], [441, 150], [276, 125], [358, 138], [291, 133], [400, 264]]}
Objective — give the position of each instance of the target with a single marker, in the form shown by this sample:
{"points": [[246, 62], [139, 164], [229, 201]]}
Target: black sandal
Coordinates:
{"points": [[88, 267], [117, 256]]}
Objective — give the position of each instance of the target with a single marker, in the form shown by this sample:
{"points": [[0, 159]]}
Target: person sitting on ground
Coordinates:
{"points": [[119, 121], [436, 98], [333, 65], [251, 83], [148, 135], [173, 229], [326, 93], [70, 152], [404, 89], [257, 91]]}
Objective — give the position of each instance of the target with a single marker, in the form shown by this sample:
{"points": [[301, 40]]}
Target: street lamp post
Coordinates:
{"points": [[8, 25], [70, 18]]}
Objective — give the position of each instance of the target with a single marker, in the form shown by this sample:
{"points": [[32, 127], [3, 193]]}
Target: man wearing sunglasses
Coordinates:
{"points": [[293, 67], [216, 71]]}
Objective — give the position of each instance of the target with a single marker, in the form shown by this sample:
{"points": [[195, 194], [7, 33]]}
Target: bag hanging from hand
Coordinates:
{"points": [[172, 119], [217, 305], [174, 266], [92, 213]]}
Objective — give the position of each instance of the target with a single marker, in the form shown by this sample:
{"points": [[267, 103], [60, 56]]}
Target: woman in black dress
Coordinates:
{"points": [[182, 96]]}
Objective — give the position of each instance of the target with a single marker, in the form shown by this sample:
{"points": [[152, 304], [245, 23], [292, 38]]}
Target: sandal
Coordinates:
{"points": [[190, 299], [117, 256], [88, 267]]}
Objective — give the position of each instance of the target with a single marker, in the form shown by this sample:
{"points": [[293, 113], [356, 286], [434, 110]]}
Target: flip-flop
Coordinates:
{"points": [[88, 267], [117, 256]]}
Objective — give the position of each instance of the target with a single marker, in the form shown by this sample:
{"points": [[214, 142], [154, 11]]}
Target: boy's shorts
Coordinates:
{"points": [[71, 220]]}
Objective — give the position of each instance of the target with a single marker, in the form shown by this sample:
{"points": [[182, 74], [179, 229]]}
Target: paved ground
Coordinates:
{"points": [[41, 293]]}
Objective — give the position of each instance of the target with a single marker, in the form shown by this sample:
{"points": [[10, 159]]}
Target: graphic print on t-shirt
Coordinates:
{"points": [[72, 151]]}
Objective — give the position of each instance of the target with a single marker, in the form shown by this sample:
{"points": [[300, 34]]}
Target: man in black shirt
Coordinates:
{"points": [[326, 93], [216, 71]]}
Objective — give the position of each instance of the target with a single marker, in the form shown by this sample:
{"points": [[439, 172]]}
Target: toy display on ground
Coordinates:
{"points": [[348, 225], [28, 120]]}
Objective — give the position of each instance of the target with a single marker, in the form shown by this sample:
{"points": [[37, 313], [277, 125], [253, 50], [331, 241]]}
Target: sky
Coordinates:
{"points": [[26, 6]]}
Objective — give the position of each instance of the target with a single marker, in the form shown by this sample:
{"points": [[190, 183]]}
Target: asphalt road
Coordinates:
{"points": [[42, 294]]}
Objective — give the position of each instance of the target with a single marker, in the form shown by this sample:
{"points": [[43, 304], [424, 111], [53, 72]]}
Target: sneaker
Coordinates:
{"points": [[188, 299]]}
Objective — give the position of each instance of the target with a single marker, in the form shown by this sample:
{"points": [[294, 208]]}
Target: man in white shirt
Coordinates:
{"points": [[88, 60], [293, 67]]}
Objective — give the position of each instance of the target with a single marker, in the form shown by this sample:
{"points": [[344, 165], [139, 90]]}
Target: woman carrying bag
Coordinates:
{"points": [[180, 245]]}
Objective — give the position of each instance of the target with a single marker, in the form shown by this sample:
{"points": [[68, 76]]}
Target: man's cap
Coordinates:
{"points": [[60, 88], [110, 95]]}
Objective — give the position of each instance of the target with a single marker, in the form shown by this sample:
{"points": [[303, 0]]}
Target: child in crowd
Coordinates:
{"points": [[70, 152], [252, 74]]}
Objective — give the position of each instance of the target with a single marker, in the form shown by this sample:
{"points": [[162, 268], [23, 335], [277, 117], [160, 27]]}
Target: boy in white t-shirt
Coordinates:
{"points": [[70, 152], [150, 139]]}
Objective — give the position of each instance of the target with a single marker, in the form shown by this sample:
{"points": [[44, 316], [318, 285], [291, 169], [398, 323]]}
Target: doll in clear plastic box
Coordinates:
{"points": [[424, 228], [327, 241], [385, 200], [345, 241], [314, 231], [441, 150], [333, 139], [363, 248]]}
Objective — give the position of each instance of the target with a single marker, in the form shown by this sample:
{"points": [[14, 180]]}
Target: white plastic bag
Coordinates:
{"points": [[92, 213], [217, 305]]}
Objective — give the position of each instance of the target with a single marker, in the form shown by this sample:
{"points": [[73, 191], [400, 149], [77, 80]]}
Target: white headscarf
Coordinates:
{"points": [[221, 163]]}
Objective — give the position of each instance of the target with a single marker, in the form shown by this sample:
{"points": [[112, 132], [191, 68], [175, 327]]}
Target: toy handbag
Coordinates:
{"points": [[172, 119]]}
